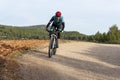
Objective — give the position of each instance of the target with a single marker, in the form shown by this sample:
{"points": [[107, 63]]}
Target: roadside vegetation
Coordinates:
{"points": [[112, 36], [38, 32], [18, 46]]}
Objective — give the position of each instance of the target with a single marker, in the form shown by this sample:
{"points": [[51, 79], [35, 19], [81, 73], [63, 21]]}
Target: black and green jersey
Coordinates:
{"points": [[56, 21]]}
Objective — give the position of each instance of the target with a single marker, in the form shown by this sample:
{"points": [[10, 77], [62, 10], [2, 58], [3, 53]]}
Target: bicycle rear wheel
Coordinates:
{"points": [[50, 53]]}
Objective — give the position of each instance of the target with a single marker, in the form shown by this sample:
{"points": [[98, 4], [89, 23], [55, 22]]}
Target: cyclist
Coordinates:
{"points": [[57, 23]]}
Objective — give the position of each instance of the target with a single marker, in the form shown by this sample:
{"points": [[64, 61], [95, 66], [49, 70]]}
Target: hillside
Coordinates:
{"points": [[34, 32], [39, 32]]}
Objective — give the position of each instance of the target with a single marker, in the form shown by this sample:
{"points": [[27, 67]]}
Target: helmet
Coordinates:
{"points": [[58, 14]]}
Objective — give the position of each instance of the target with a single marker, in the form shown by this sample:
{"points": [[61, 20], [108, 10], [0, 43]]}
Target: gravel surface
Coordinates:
{"points": [[73, 61]]}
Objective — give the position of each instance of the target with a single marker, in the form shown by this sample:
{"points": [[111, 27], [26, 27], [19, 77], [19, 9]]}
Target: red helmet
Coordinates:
{"points": [[58, 14]]}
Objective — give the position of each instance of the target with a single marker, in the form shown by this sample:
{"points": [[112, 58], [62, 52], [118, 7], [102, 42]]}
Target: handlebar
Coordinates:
{"points": [[54, 31]]}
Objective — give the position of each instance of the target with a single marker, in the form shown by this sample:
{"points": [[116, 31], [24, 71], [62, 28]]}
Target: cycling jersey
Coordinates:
{"points": [[56, 22]]}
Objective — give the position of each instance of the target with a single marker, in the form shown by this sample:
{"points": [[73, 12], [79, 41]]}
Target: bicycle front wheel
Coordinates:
{"points": [[54, 51], [50, 52]]}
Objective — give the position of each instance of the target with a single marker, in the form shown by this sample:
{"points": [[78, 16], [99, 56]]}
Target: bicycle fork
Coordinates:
{"points": [[54, 43]]}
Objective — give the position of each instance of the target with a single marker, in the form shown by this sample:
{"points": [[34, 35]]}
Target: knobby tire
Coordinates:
{"points": [[50, 53]]}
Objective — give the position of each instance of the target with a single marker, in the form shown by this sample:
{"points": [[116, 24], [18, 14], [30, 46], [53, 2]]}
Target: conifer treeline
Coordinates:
{"points": [[39, 32], [34, 32], [112, 36]]}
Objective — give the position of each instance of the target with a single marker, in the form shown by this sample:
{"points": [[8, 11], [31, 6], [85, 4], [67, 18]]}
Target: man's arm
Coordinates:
{"points": [[63, 23], [49, 22]]}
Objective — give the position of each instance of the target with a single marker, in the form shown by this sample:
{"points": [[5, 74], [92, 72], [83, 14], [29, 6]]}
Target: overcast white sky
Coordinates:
{"points": [[85, 16]]}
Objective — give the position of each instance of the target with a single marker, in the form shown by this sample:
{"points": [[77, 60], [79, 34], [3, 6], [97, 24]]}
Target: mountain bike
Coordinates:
{"points": [[53, 41]]}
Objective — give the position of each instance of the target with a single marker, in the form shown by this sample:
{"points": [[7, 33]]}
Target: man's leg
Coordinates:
{"points": [[58, 39]]}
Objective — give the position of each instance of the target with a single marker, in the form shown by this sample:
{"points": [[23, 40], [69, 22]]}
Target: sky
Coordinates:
{"points": [[85, 16]]}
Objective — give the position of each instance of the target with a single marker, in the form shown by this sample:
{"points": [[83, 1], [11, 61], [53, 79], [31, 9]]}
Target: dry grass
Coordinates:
{"points": [[15, 46]]}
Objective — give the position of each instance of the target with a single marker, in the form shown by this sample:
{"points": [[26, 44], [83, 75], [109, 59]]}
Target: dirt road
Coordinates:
{"points": [[73, 61]]}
